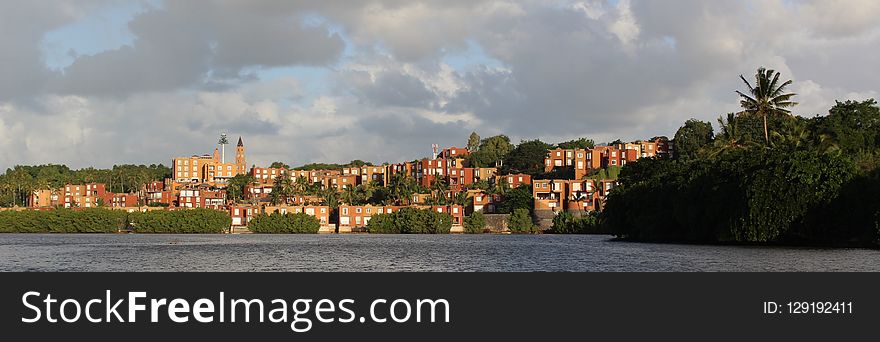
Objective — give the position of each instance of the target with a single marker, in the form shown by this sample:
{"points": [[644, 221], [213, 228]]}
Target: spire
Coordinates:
{"points": [[240, 144]]}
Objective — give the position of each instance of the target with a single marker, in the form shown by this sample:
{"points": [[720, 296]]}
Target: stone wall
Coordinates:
{"points": [[497, 223]]}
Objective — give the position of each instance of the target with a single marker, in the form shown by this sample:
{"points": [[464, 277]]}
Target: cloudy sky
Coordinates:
{"points": [[95, 82]]}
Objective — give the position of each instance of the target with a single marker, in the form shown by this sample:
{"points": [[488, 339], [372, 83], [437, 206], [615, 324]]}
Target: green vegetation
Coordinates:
{"points": [[475, 224], [277, 223], [191, 221], [491, 150], [692, 137], [520, 222], [324, 166], [473, 143], [519, 198], [566, 223], [18, 182], [279, 165], [411, 221], [527, 157], [62, 221], [800, 181], [236, 185], [582, 143]]}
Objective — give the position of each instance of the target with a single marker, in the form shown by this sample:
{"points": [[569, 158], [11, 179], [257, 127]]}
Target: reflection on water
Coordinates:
{"points": [[119, 252]]}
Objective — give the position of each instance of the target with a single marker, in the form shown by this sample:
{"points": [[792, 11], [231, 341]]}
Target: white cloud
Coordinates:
{"points": [[603, 69]]}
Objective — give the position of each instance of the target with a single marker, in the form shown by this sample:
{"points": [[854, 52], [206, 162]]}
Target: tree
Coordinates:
{"points": [[475, 223], [519, 198], [279, 165], [853, 125], [439, 188], [527, 157], [582, 143], [520, 221], [236, 186], [492, 150], [473, 142], [731, 137], [692, 137], [766, 98]]}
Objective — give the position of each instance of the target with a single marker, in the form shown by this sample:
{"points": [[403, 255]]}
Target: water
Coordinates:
{"points": [[121, 252]]}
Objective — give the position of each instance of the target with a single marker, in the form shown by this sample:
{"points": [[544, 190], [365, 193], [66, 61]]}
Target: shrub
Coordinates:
{"points": [[566, 223], [520, 221], [475, 224], [411, 221], [191, 221], [277, 223], [92, 220]]}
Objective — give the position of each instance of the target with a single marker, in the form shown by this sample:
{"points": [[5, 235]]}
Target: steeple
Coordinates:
{"points": [[240, 163]]}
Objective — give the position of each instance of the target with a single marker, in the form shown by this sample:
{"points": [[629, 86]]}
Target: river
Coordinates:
{"points": [[504, 253]]}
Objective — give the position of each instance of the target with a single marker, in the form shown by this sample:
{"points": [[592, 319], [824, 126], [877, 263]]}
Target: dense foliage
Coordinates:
{"points": [[410, 221], [475, 223], [62, 221], [277, 223], [815, 181], [691, 137], [16, 183], [527, 157], [325, 166], [582, 143], [491, 150], [191, 221], [520, 222], [566, 223], [519, 198]]}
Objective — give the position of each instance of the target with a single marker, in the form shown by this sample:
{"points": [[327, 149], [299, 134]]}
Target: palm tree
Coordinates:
{"points": [[439, 189], [731, 136], [767, 97]]}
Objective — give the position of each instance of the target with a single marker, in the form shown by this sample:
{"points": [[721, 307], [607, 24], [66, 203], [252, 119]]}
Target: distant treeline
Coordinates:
{"points": [[18, 182], [195, 221]]}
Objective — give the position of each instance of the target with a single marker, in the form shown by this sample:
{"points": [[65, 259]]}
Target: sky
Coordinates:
{"points": [[103, 82]]}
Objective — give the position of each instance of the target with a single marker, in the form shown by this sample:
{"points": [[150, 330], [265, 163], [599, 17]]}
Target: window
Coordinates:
{"points": [[358, 210], [344, 211], [323, 210]]}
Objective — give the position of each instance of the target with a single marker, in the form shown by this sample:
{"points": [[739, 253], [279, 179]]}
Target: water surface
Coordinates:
{"points": [[133, 252]]}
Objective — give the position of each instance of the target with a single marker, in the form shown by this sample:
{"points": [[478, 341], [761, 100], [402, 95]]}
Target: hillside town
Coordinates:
{"points": [[343, 198]]}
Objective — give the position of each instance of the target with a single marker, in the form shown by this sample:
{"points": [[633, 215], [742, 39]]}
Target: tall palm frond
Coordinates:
{"points": [[766, 98]]}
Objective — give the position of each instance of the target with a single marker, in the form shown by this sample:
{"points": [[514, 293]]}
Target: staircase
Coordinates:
{"points": [[240, 230]]}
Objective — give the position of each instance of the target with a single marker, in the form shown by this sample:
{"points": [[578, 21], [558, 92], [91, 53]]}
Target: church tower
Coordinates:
{"points": [[240, 164]]}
